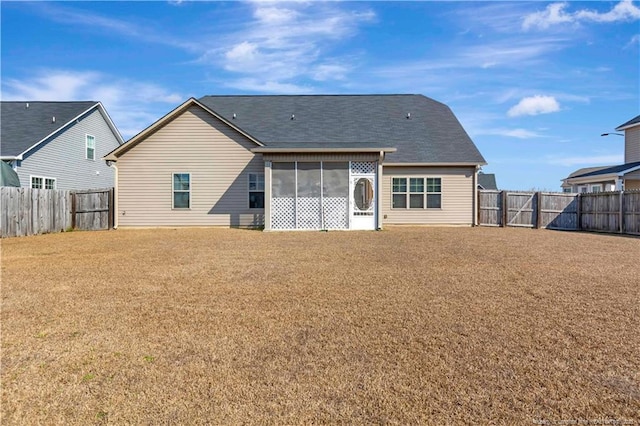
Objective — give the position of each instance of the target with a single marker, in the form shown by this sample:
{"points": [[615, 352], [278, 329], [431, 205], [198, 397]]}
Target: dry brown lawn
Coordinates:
{"points": [[403, 326]]}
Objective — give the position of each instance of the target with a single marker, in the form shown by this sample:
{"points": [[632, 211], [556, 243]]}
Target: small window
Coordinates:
{"points": [[39, 182], [256, 191], [91, 147], [36, 182], [596, 188], [181, 190], [566, 190]]}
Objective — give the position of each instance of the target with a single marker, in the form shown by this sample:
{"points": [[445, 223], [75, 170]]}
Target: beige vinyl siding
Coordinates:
{"points": [[630, 185], [346, 156], [632, 145], [457, 196], [64, 156], [219, 161]]}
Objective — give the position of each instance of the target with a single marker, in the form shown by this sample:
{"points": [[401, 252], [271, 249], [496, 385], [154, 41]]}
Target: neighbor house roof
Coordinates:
{"points": [[421, 129], [631, 123], [619, 169], [25, 124], [487, 181], [586, 170]]}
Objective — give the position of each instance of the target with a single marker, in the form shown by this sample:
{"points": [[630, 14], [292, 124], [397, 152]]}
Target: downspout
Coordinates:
{"points": [[379, 192], [115, 196], [475, 196]]}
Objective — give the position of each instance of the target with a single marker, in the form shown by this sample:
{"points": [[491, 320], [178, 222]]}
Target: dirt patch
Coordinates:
{"points": [[403, 326]]}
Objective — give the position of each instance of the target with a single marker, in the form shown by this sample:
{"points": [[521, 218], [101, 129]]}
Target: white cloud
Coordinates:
{"points": [[534, 105], [634, 42], [594, 160], [555, 14], [258, 85], [512, 133], [132, 105]]}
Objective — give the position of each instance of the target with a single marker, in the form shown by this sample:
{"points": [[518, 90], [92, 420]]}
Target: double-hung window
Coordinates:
{"points": [[256, 191], [181, 190], [39, 182], [416, 193], [90, 144]]}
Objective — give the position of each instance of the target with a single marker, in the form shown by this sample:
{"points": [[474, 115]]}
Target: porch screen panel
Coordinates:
{"points": [[283, 201], [335, 195], [308, 200]]}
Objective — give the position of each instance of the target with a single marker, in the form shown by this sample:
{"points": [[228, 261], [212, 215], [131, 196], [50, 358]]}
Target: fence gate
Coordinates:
{"points": [[521, 208], [92, 210]]}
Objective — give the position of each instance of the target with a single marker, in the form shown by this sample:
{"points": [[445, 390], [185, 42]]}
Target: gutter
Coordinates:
{"points": [[264, 149]]}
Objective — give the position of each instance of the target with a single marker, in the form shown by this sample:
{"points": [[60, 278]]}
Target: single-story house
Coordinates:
{"points": [[616, 177], [58, 145], [309, 162]]}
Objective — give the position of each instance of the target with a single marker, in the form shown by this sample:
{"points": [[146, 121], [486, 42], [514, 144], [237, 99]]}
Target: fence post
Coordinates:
{"points": [[504, 208], [621, 212], [73, 210], [579, 212], [538, 209], [111, 209]]}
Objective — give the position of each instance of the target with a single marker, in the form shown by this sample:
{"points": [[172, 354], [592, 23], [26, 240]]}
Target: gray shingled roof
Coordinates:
{"points": [[22, 127], [612, 169], [635, 120], [432, 134], [487, 180], [586, 170]]}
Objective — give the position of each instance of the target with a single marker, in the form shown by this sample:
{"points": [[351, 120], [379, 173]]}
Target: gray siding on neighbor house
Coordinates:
{"points": [[632, 145], [64, 156], [219, 161], [458, 194]]}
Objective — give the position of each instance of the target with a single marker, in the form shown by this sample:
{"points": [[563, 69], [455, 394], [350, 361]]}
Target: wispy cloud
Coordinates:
{"points": [[593, 160], [534, 105], [555, 14], [285, 42], [133, 105], [511, 133], [107, 25]]}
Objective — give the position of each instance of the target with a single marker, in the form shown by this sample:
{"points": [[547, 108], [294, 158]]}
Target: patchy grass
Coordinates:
{"points": [[404, 326]]}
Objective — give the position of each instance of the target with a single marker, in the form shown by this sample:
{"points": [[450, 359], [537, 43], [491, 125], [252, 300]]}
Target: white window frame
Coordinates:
{"points": [[43, 182], [173, 190], [598, 186], [86, 147], [408, 193], [249, 190]]}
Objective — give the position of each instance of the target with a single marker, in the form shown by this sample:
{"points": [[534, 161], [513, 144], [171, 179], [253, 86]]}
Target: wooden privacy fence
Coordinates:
{"points": [[598, 211], [27, 211]]}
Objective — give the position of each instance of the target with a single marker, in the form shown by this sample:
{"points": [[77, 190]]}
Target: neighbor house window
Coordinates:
{"points": [[416, 193], [256, 191], [566, 190], [181, 190], [596, 188], [39, 182], [91, 147]]}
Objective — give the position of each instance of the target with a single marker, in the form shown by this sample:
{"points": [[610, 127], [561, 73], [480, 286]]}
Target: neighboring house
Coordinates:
{"points": [[611, 178], [487, 181], [299, 162], [58, 145]]}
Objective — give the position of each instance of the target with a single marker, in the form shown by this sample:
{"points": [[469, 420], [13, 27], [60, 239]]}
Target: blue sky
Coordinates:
{"points": [[533, 83]]}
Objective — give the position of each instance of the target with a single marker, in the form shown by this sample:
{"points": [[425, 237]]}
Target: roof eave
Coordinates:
{"points": [[439, 163], [274, 150]]}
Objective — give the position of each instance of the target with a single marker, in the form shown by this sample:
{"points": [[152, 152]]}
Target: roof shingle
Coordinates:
{"points": [[22, 127], [422, 129]]}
